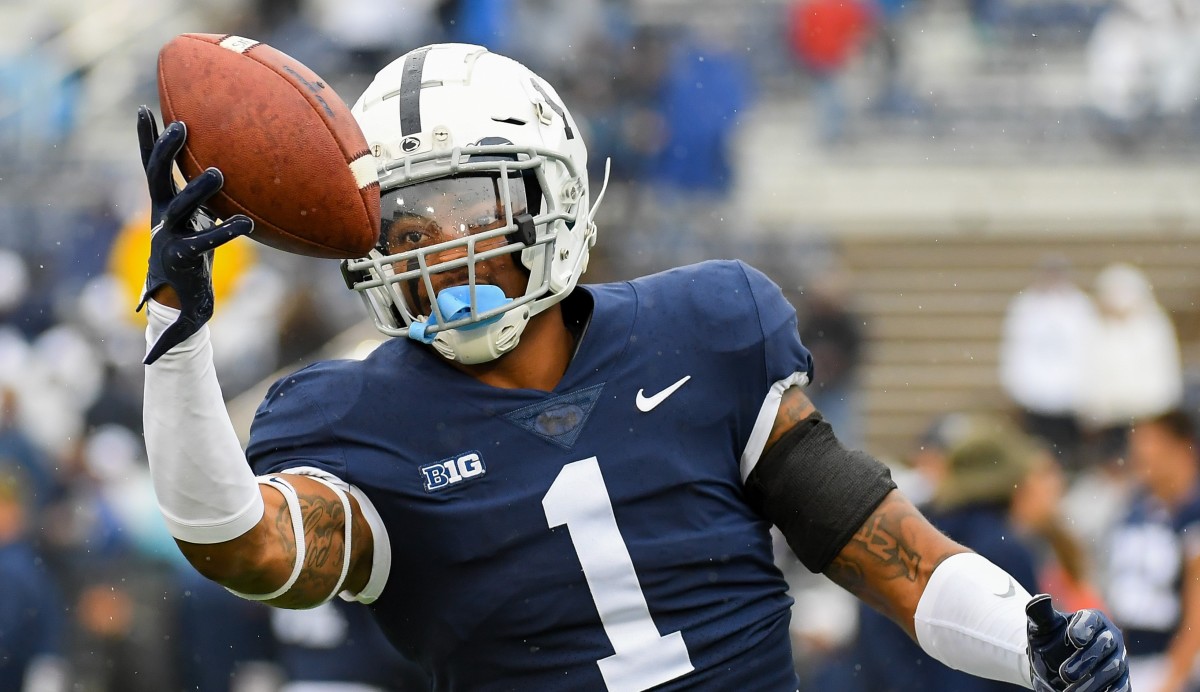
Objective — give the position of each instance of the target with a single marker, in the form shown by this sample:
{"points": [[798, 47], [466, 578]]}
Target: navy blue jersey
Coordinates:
{"points": [[1149, 550], [592, 537]]}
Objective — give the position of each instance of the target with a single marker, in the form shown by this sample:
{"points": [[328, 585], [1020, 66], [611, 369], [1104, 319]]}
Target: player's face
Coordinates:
{"points": [[427, 214], [1152, 452]]}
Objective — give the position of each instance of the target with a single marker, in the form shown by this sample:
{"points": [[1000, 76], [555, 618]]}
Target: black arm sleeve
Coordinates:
{"points": [[816, 491]]}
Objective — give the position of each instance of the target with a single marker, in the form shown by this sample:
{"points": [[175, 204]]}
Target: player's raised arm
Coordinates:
{"points": [[841, 514], [290, 540]]}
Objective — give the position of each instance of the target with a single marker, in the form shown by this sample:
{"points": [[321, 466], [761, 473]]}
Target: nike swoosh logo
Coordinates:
{"points": [[1012, 590], [646, 404]]}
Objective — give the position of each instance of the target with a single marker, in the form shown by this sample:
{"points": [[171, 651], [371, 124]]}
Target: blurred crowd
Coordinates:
{"points": [[97, 597], [1086, 487]]}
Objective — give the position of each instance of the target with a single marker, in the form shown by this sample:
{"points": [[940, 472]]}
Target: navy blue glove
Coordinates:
{"points": [[1082, 652], [183, 235]]}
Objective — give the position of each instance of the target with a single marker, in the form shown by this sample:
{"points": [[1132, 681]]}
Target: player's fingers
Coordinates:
{"points": [[189, 199], [1083, 627], [147, 129], [1042, 615], [1090, 657], [217, 236], [162, 158], [1111, 676]]}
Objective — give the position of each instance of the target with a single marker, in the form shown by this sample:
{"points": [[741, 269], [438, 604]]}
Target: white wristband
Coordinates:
{"points": [[205, 488], [971, 617]]}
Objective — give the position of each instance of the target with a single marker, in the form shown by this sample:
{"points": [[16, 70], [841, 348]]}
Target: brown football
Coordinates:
{"points": [[294, 159]]}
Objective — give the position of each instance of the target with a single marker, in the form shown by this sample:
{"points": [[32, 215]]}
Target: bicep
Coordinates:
{"points": [[794, 407], [888, 561], [263, 560]]}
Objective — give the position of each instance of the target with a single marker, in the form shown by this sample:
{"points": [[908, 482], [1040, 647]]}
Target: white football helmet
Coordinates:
{"points": [[451, 126]]}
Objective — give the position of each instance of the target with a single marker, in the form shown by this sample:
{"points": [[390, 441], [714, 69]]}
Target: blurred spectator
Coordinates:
{"points": [[1144, 64], [1132, 365], [338, 647], [110, 565], [32, 629], [826, 36], [1063, 568], [41, 92], [926, 466], [563, 30], [707, 90], [371, 33], [896, 96], [21, 307], [832, 331], [1045, 338], [972, 506], [225, 642], [1154, 561], [19, 453]]}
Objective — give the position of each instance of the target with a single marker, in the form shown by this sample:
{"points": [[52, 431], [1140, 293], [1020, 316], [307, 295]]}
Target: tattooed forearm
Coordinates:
{"points": [[881, 538], [887, 562]]}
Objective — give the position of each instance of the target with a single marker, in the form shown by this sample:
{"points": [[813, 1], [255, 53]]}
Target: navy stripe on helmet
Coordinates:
{"points": [[410, 92]]}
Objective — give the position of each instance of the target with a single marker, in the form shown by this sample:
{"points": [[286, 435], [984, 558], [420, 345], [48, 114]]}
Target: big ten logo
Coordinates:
{"points": [[452, 471]]}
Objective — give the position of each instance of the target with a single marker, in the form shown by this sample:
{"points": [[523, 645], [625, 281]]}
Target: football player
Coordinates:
{"points": [[541, 485]]}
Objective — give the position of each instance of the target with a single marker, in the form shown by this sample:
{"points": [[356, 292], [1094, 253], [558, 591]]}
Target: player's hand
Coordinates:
{"points": [[1080, 652], [183, 235]]}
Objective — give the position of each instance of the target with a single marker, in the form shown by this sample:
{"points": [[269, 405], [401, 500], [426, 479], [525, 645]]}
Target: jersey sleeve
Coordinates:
{"points": [[783, 353], [786, 362], [295, 424]]}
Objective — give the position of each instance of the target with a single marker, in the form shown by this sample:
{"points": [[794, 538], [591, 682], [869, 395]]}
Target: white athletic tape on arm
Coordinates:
{"points": [[971, 617], [349, 521], [381, 557], [381, 546], [293, 502], [204, 486]]}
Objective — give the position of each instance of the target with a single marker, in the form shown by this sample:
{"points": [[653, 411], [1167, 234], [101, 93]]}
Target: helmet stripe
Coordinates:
{"points": [[410, 92], [554, 107]]}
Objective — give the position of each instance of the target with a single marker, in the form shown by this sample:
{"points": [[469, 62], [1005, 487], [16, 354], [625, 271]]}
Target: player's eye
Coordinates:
{"points": [[410, 238], [407, 236]]}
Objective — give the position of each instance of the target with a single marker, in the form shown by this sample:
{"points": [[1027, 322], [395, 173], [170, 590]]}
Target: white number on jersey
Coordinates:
{"points": [[643, 658]]}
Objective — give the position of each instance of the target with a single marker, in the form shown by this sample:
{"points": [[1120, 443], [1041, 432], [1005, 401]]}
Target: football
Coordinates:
{"points": [[294, 159]]}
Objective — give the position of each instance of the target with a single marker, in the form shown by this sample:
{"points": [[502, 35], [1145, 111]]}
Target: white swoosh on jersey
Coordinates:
{"points": [[646, 404]]}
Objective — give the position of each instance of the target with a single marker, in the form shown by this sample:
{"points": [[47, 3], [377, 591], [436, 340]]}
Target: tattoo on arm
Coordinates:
{"points": [[793, 408], [887, 562], [324, 534]]}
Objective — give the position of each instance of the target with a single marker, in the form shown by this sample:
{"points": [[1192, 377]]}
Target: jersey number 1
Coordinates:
{"points": [[643, 658]]}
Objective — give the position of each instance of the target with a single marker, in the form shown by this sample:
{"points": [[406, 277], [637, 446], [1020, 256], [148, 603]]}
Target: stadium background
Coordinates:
{"points": [[911, 162]]}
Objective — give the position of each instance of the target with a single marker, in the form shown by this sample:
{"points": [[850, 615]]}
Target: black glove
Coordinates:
{"points": [[183, 235], [1082, 652]]}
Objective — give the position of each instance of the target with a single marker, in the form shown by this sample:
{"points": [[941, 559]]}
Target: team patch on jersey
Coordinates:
{"points": [[448, 473]]}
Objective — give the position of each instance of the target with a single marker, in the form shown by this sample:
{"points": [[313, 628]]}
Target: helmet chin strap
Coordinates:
{"points": [[478, 342]]}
